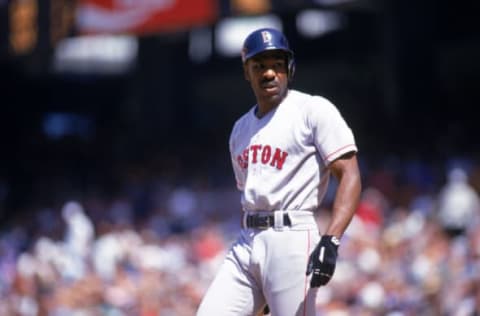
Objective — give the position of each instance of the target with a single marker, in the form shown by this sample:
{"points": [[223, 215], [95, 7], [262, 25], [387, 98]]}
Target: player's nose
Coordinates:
{"points": [[269, 73]]}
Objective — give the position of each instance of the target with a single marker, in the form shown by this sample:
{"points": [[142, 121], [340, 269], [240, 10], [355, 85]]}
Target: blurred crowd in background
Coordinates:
{"points": [[413, 247]]}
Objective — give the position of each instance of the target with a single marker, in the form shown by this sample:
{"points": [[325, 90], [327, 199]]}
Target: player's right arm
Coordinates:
{"points": [[238, 171]]}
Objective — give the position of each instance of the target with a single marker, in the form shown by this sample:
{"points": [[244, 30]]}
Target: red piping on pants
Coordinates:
{"points": [[306, 278]]}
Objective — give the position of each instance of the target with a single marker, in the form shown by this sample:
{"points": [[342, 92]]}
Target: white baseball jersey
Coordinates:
{"points": [[280, 164], [280, 160]]}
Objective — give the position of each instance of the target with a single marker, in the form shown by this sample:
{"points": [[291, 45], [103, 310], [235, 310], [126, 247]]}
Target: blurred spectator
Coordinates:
{"points": [[458, 203], [79, 236], [372, 209], [107, 252], [182, 204]]}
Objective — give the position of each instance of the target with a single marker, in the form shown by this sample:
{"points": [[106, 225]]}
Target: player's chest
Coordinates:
{"points": [[272, 144]]}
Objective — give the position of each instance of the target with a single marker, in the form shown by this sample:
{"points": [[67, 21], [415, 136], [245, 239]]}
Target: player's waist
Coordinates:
{"points": [[279, 219]]}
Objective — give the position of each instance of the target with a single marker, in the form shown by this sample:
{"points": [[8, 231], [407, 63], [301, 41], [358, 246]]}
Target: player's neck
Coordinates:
{"points": [[265, 106], [261, 111]]}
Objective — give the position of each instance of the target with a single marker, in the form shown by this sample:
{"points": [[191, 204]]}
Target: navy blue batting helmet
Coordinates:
{"points": [[267, 39]]}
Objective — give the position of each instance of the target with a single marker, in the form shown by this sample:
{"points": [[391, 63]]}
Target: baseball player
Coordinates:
{"points": [[283, 151]]}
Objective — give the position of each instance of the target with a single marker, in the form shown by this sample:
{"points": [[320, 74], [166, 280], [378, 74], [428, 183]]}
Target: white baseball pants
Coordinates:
{"points": [[266, 266]]}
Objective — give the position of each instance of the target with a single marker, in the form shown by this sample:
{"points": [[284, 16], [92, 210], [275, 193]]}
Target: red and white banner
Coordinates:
{"points": [[143, 16]]}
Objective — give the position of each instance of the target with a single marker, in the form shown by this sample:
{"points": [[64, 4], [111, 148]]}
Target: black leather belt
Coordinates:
{"points": [[262, 221]]}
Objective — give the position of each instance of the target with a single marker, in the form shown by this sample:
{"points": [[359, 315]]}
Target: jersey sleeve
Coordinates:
{"points": [[237, 170], [331, 134]]}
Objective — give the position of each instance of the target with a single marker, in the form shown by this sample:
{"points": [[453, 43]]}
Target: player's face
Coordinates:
{"points": [[268, 76]]}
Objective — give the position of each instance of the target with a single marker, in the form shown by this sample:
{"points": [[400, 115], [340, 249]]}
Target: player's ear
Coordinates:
{"points": [[245, 72]]}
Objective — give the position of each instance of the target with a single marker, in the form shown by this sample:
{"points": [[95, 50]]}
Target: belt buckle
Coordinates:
{"points": [[263, 222]]}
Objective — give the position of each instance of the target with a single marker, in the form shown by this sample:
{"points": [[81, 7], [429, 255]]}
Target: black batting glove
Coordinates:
{"points": [[322, 261], [266, 310]]}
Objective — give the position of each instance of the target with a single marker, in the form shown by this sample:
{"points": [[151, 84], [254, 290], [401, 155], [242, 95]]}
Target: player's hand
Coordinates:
{"points": [[266, 310], [322, 260]]}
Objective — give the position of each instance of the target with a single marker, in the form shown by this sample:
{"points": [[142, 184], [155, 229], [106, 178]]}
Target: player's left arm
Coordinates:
{"points": [[345, 169], [322, 260]]}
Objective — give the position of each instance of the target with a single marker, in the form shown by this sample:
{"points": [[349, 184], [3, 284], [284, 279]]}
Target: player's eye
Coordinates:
{"points": [[278, 66], [257, 66]]}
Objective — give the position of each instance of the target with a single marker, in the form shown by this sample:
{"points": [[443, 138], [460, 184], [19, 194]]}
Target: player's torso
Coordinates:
{"points": [[277, 158], [268, 143]]}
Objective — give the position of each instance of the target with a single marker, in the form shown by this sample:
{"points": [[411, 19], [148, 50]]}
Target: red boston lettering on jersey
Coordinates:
{"points": [[266, 154], [279, 158], [265, 151], [255, 149], [243, 159], [240, 162]]}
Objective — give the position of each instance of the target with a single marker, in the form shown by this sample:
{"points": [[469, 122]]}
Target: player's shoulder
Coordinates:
{"points": [[311, 102], [245, 117], [299, 97], [243, 121]]}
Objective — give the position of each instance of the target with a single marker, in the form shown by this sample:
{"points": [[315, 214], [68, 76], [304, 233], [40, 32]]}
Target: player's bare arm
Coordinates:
{"points": [[322, 261], [345, 170]]}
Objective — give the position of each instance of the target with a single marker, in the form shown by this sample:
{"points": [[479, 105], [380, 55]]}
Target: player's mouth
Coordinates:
{"points": [[270, 87]]}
